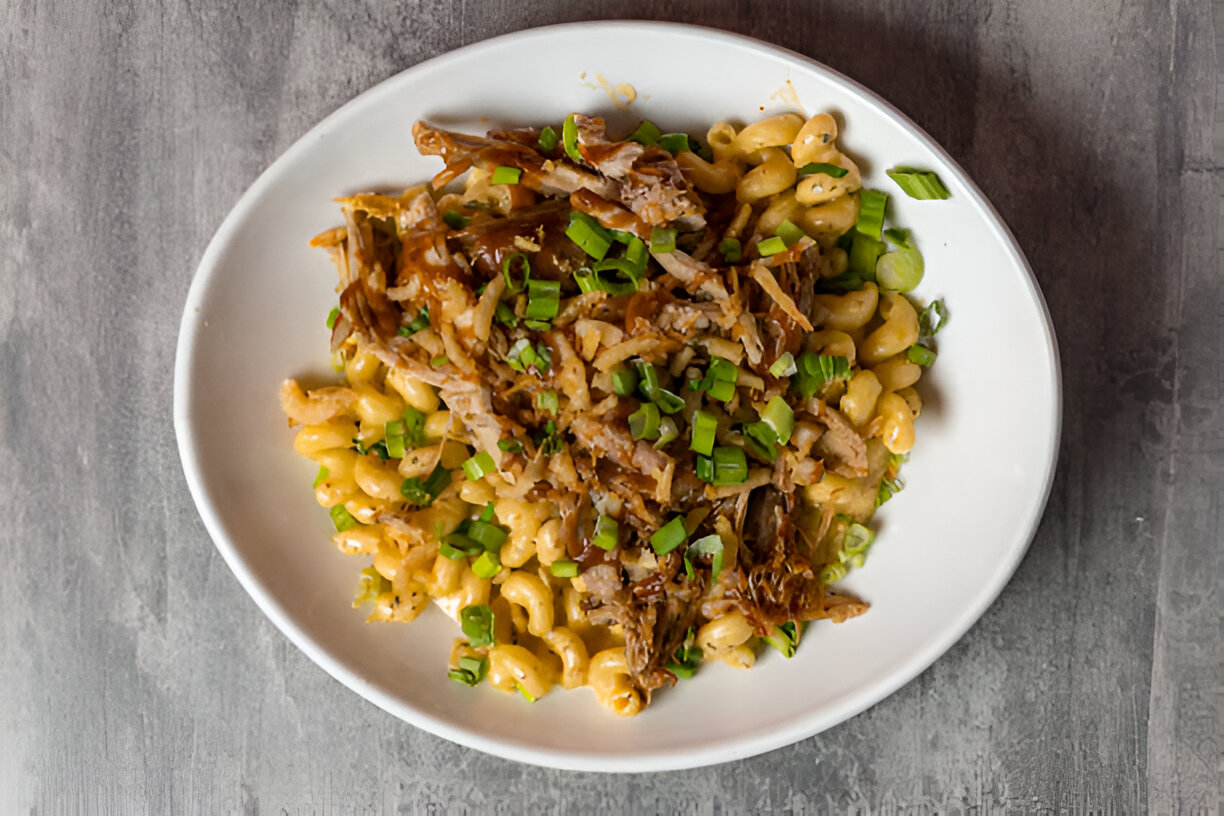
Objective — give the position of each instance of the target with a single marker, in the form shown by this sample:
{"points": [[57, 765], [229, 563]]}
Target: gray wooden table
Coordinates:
{"points": [[137, 676]]}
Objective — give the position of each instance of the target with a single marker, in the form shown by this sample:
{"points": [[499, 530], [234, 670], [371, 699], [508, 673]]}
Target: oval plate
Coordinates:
{"points": [[976, 483]]}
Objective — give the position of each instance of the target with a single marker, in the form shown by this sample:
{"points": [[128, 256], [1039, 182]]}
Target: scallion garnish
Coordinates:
{"points": [[644, 422], [548, 401], [932, 319], [920, 184], [537, 325], [864, 252], [705, 468], [509, 445], [477, 625], [789, 232], [371, 585], [730, 466], [771, 246], [548, 140], [516, 284], [505, 175], [645, 134], [421, 493], [731, 249], [564, 568], [624, 381], [921, 355], [900, 270], [587, 233], [438, 361], [711, 545], [670, 536], [321, 476], [702, 437], [487, 512], [817, 369], [781, 417], [455, 219], [871, 212], [662, 241], [394, 438], [898, 236], [505, 315], [331, 317], [487, 565], [831, 170], [784, 639], [479, 466], [471, 671], [606, 533], [617, 276], [887, 489], [784, 366], [342, 519], [543, 299], [674, 143], [421, 321], [487, 534], [669, 431], [762, 440], [569, 138], [687, 657]]}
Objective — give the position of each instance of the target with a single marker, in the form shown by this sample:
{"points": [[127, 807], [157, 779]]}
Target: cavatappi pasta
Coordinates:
{"points": [[618, 407]]}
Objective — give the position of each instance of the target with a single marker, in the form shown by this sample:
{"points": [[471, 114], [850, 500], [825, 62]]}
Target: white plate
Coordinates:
{"points": [[976, 483]]}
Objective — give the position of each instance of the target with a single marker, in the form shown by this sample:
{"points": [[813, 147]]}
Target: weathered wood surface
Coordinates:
{"points": [[127, 130]]}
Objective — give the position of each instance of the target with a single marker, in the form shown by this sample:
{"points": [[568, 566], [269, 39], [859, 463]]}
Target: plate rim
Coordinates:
{"points": [[719, 752]]}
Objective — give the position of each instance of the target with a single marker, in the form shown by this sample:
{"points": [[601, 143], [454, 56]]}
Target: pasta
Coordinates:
{"points": [[596, 391]]}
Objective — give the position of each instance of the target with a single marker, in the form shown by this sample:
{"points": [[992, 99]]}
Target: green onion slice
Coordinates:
{"points": [[321, 476], [624, 381], [423, 493], [779, 416], [342, 519], [702, 439], [509, 445], [371, 585], [687, 657], [771, 246], [670, 536], [471, 671], [669, 431], [548, 140], [784, 639], [705, 469], [784, 366], [730, 466], [548, 401], [662, 240], [564, 568], [920, 184], [455, 220], [674, 142], [900, 270], [587, 233], [711, 545], [871, 212], [645, 134], [421, 321], [479, 466], [487, 565], [644, 422], [487, 534], [731, 249], [543, 299], [519, 260], [395, 432], [932, 319], [439, 361], [477, 625], [331, 317], [789, 232], [921, 355], [505, 315], [898, 236], [569, 138], [722, 390], [606, 533], [505, 175], [831, 170], [762, 440]]}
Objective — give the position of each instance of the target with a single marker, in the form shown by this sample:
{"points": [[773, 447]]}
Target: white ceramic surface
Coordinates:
{"points": [[976, 483]]}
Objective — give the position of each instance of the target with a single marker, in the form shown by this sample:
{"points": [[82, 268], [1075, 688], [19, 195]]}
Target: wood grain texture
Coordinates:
{"points": [[138, 677]]}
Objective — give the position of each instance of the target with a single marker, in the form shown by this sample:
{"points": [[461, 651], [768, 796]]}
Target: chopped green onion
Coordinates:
{"points": [[564, 568], [705, 468], [932, 319], [668, 432], [342, 518], [711, 545], [730, 249], [762, 440], [722, 390], [569, 138], [543, 299], [646, 134], [586, 281], [457, 546], [900, 270], [487, 534], [548, 140], [648, 378], [780, 417], [921, 355], [730, 466], [471, 671], [771, 246], [662, 241], [504, 175], [784, 639], [635, 253], [832, 573], [414, 427], [864, 252], [439, 361], [723, 370], [477, 625], [670, 536], [857, 541], [509, 445], [371, 585], [784, 366], [537, 325], [606, 533], [920, 184], [479, 466], [624, 381], [871, 212], [674, 142], [487, 565], [587, 233], [487, 512], [505, 315], [549, 442], [702, 439], [423, 493], [331, 317], [455, 219], [898, 236], [687, 657], [548, 401], [789, 232], [617, 276], [421, 321], [395, 431], [321, 476], [817, 369], [513, 285], [668, 402], [526, 695], [831, 170], [887, 489], [520, 355], [644, 422]]}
